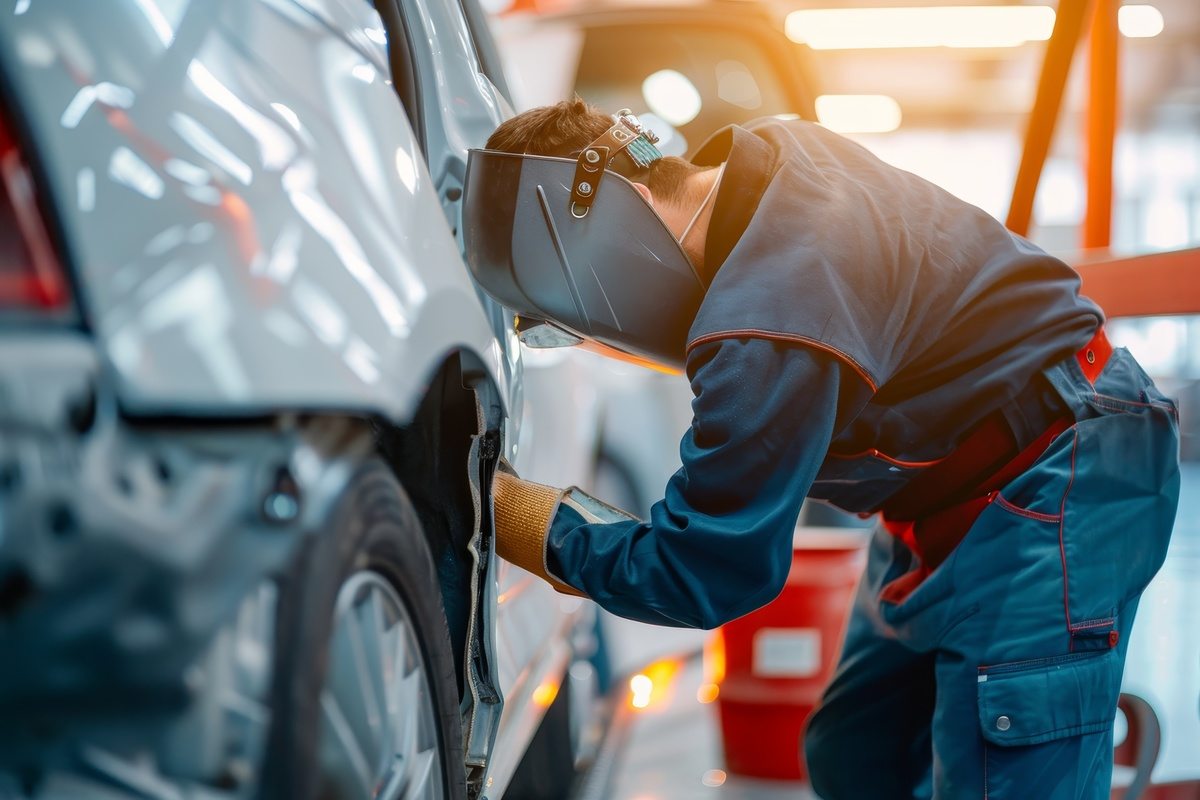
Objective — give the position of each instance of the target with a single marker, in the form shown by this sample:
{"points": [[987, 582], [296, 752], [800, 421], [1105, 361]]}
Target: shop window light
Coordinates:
{"points": [[672, 96], [858, 113]]}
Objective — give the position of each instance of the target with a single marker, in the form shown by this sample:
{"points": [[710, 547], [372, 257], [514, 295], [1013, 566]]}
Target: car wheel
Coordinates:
{"points": [[364, 701]]}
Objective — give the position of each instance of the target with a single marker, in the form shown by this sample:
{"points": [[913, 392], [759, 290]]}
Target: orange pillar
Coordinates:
{"points": [[1101, 123], [1056, 65]]}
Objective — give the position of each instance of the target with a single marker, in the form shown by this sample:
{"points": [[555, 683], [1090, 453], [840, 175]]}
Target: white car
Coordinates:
{"points": [[250, 407]]}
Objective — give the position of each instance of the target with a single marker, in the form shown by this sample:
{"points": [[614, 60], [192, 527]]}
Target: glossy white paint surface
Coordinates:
{"points": [[255, 227], [246, 204]]}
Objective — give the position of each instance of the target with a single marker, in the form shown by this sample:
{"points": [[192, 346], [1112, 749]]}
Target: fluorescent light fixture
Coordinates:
{"points": [[1139, 21], [858, 113], [940, 26], [672, 96]]}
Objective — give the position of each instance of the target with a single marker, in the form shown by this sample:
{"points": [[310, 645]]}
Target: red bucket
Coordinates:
{"points": [[778, 659]]}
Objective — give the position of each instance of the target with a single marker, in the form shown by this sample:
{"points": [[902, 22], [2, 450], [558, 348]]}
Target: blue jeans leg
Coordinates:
{"points": [[871, 735], [1025, 627]]}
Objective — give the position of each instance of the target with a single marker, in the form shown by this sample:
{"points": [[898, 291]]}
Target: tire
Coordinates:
{"points": [[352, 596], [547, 771]]}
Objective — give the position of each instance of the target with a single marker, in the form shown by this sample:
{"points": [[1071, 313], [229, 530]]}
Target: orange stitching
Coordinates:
{"points": [[1025, 512], [1062, 548], [873, 453], [755, 333], [1099, 623], [1101, 399]]}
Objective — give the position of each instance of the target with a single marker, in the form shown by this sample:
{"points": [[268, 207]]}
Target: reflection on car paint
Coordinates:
{"points": [[208, 146], [110, 94], [221, 119]]}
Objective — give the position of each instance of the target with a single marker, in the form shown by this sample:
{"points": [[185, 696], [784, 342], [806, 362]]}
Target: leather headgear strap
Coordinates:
{"points": [[628, 139]]}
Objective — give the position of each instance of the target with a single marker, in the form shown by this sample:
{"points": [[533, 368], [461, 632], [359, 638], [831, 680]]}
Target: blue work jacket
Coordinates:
{"points": [[858, 322]]}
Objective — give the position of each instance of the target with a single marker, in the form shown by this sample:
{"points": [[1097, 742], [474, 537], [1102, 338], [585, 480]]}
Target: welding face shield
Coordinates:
{"points": [[573, 248]]}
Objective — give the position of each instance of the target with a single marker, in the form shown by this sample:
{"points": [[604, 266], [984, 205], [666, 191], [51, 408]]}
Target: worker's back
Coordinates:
{"points": [[940, 310]]}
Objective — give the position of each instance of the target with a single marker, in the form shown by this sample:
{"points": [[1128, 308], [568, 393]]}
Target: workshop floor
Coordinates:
{"points": [[671, 750]]}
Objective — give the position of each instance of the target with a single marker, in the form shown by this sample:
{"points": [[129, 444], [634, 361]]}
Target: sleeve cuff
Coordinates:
{"points": [[523, 514]]}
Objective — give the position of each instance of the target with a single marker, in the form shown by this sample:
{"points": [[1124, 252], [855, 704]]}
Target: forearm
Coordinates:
{"points": [[719, 543]]}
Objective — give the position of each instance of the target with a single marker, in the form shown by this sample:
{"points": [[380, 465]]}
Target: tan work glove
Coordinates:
{"points": [[523, 512]]}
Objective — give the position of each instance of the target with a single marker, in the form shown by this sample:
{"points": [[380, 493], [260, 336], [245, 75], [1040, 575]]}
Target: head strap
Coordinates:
{"points": [[628, 138]]}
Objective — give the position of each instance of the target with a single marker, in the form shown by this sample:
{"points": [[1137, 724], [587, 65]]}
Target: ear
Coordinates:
{"points": [[644, 191]]}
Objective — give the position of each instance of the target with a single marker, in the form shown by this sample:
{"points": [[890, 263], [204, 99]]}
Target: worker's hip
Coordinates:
{"points": [[1084, 525], [1028, 617]]}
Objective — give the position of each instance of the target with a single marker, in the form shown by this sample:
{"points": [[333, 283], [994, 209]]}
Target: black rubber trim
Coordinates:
{"points": [[404, 67]]}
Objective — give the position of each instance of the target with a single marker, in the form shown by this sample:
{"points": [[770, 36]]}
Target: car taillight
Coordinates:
{"points": [[31, 276]]}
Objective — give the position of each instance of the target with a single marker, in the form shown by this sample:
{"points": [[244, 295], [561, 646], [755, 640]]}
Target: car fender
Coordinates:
{"points": [[246, 208]]}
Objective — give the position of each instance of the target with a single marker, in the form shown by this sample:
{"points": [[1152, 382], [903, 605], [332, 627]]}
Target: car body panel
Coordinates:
{"points": [[254, 228], [240, 191]]}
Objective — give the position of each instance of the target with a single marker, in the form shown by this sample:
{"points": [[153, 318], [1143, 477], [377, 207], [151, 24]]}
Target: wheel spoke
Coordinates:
{"points": [[365, 668], [354, 760], [379, 707], [382, 630], [408, 714], [344, 680]]}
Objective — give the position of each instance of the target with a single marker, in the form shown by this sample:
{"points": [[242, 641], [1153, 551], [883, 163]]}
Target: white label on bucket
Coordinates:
{"points": [[787, 652]]}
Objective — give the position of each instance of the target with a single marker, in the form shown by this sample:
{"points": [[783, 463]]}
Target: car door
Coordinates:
{"points": [[1153, 308]]}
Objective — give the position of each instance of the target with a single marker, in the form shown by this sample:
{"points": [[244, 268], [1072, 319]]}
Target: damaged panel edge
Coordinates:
{"points": [[483, 703]]}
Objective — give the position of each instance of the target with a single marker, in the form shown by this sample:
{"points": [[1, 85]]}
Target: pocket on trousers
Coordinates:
{"points": [[1046, 724]]}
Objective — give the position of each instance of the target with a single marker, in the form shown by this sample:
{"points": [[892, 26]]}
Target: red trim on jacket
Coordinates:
{"points": [[873, 453], [790, 338]]}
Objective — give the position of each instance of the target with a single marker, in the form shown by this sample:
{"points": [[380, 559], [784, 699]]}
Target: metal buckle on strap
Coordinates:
{"points": [[626, 135]]}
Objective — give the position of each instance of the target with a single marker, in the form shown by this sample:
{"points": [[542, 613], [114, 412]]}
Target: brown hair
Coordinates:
{"points": [[568, 126]]}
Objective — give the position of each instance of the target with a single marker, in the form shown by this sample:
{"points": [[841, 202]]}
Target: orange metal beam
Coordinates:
{"points": [[1147, 285], [1056, 65], [1101, 124]]}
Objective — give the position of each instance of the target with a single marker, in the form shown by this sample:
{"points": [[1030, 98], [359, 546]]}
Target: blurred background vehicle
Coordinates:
{"points": [[697, 66], [250, 406]]}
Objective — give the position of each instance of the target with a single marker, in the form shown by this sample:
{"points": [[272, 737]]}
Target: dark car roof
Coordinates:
{"points": [[752, 18]]}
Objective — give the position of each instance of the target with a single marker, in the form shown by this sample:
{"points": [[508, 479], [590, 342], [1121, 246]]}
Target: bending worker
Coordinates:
{"points": [[855, 335]]}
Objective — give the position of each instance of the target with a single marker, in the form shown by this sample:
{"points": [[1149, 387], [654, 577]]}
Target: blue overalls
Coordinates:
{"points": [[860, 326]]}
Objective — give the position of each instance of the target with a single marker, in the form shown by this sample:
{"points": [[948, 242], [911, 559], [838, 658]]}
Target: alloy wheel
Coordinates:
{"points": [[379, 736]]}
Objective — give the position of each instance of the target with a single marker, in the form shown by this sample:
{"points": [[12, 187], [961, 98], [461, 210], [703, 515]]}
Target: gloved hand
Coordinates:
{"points": [[523, 512]]}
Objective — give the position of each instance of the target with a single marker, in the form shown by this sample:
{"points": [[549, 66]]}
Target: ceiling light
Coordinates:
{"points": [[858, 113], [1139, 21], [942, 26]]}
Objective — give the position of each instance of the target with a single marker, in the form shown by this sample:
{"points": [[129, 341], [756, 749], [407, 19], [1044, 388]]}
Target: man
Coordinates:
{"points": [[860, 337]]}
